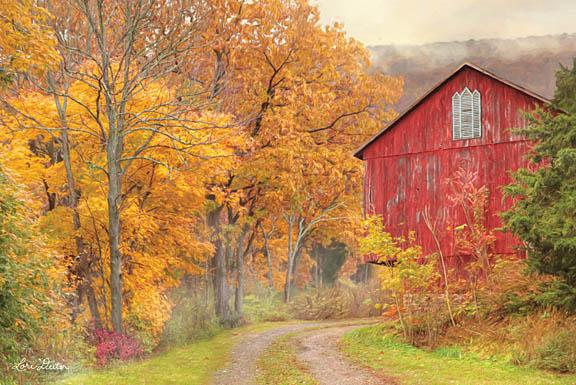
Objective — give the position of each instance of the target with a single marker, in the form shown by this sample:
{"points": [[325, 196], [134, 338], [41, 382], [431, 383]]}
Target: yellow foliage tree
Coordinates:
{"points": [[305, 97], [169, 134], [163, 200]]}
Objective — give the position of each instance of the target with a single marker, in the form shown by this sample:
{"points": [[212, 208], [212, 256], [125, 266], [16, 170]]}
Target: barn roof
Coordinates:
{"points": [[359, 153]]}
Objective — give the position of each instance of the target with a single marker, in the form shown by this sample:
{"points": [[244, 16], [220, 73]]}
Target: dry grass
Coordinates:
{"points": [[544, 339], [340, 301]]}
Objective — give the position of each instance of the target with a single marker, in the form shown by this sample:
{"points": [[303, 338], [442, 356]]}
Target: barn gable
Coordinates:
{"points": [[435, 101], [409, 163]]}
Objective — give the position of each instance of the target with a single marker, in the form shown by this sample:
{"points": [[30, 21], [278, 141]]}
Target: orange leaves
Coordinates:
{"points": [[163, 198], [26, 41], [259, 119], [303, 95]]}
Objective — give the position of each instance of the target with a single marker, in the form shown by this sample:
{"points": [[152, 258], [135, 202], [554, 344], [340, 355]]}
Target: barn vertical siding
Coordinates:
{"points": [[408, 166]]}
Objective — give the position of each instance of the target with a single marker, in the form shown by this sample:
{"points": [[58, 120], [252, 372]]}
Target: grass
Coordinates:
{"points": [[265, 306], [187, 365], [377, 348], [279, 364]]}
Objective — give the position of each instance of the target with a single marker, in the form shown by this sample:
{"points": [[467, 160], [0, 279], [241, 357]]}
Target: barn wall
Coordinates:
{"points": [[408, 167]]}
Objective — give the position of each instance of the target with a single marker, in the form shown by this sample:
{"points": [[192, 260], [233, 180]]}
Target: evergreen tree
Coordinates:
{"points": [[544, 214]]}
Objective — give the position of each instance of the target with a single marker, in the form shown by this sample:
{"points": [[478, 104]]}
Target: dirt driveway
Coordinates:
{"points": [[318, 350]]}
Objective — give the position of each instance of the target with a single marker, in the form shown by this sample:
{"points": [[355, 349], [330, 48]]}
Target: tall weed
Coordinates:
{"points": [[192, 318]]}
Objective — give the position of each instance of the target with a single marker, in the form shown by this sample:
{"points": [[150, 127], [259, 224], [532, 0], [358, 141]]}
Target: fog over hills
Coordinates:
{"points": [[530, 61]]}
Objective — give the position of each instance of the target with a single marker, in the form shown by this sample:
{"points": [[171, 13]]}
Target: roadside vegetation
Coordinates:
{"points": [[194, 344], [380, 348]]}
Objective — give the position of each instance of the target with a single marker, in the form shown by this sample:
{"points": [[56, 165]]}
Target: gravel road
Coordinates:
{"points": [[317, 343], [327, 365]]}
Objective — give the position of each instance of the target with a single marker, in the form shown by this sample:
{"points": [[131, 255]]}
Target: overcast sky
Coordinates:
{"points": [[423, 21]]}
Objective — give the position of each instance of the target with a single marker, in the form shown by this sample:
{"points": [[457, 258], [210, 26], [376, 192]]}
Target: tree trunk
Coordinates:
{"points": [[219, 73], [206, 283], [239, 295], [93, 305], [242, 257], [220, 283], [295, 260], [83, 255], [319, 268], [288, 281], [268, 256], [221, 289], [114, 229], [290, 263]]}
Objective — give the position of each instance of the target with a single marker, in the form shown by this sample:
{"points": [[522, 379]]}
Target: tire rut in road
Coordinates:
{"points": [[242, 370], [320, 352]]}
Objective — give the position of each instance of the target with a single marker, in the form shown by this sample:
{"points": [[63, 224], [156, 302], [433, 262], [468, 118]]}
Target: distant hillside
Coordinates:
{"points": [[530, 62]]}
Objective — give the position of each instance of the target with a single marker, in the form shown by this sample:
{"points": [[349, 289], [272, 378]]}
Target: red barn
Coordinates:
{"points": [[465, 121]]}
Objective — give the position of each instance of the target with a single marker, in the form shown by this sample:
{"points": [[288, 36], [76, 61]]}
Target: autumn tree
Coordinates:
{"points": [[296, 87], [314, 196], [403, 269], [116, 52], [160, 118], [29, 271], [132, 44]]}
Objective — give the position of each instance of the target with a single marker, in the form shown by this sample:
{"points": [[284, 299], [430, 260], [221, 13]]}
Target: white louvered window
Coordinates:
{"points": [[466, 115]]}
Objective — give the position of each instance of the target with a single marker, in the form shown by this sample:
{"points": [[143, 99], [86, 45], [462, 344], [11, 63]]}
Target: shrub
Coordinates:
{"points": [[546, 340], [111, 345], [143, 330], [425, 317], [28, 288], [511, 290], [557, 294], [319, 304], [515, 290], [543, 212], [558, 352]]}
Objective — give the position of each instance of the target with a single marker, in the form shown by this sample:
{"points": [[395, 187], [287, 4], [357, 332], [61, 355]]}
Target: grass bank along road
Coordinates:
{"points": [[375, 348]]}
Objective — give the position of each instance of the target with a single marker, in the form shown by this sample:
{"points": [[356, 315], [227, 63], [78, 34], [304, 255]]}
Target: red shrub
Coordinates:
{"points": [[111, 345]]}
